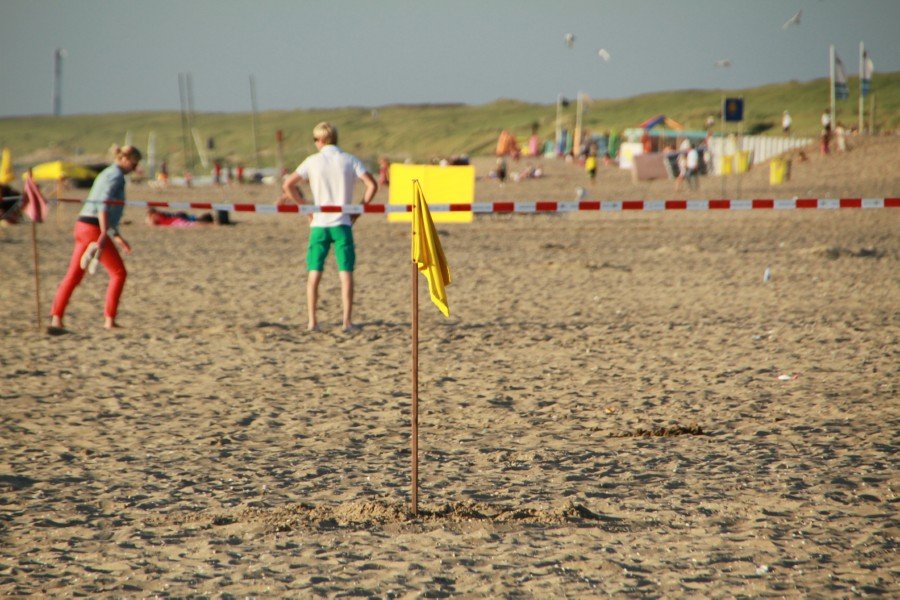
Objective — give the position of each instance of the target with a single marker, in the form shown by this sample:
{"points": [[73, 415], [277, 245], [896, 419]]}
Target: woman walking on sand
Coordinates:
{"points": [[97, 229]]}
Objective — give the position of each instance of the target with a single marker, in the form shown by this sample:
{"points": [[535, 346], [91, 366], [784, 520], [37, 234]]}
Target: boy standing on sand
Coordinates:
{"points": [[331, 174]]}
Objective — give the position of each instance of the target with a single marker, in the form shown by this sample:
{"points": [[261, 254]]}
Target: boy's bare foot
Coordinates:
{"points": [[110, 323]]}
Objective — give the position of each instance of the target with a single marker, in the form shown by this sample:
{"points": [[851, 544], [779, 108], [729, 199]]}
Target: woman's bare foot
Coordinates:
{"points": [[110, 323]]}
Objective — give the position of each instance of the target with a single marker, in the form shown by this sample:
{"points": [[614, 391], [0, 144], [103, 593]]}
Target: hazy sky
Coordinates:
{"points": [[125, 55]]}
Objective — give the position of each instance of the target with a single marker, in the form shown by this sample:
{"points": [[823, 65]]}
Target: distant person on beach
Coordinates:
{"points": [[786, 123], [590, 165], [692, 166], [331, 174], [10, 204], [646, 142], [384, 171], [825, 140], [840, 137], [500, 172], [180, 219], [97, 234], [162, 176]]}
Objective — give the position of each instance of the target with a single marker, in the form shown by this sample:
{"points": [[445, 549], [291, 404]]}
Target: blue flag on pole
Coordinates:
{"points": [[841, 91], [868, 69]]}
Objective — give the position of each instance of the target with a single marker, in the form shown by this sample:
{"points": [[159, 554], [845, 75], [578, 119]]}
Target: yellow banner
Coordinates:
{"points": [[445, 185]]}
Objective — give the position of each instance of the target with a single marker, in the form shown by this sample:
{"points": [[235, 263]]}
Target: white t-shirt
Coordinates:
{"points": [[331, 174], [693, 159]]}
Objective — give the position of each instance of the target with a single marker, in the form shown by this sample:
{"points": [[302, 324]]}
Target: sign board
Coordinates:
{"points": [[441, 185], [733, 110]]}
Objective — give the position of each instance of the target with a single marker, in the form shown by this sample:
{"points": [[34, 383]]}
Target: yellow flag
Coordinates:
{"points": [[427, 252], [6, 170]]}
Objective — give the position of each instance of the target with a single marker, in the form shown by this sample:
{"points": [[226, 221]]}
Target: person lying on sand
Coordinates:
{"points": [[159, 218]]}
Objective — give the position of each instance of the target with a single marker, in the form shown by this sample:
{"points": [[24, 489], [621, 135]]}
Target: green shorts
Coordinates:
{"points": [[320, 240]]}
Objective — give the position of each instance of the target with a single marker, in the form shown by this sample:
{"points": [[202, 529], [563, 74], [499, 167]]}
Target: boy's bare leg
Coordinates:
{"points": [[312, 298], [347, 298]]}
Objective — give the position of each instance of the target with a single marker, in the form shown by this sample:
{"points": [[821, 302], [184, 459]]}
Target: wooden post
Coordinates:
{"points": [[414, 503], [59, 186], [37, 275]]}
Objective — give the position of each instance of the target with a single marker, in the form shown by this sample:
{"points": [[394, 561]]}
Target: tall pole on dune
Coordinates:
{"points": [[577, 138], [862, 53], [151, 156], [559, 99], [722, 145], [872, 113], [189, 86], [831, 75], [184, 125], [58, 56], [254, 125]]}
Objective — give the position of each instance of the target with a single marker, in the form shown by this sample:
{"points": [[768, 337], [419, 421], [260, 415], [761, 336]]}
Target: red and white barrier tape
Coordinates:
{"points": [[536, 207]]}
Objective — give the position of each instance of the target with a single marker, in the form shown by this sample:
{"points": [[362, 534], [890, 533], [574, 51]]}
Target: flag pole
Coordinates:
{"points": [[578, 123], [414, 502], [59, 186], [831, 74], [559, 99], [871, 112], [722, 146], [37, 275], [862, 52]]}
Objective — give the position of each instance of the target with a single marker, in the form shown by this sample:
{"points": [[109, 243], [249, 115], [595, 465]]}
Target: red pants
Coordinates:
{"points": [[85, 234]]}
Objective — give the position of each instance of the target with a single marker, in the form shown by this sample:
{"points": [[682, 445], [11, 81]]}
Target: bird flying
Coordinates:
{"points": [[725, 63], [570, 39], [795, 20], [602, 53]]}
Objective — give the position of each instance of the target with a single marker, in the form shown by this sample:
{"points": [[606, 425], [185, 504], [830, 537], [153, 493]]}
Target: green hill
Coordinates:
{"points": [[422, 132]]}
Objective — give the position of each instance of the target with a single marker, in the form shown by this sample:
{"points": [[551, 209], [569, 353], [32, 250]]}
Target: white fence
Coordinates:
{"points": [[760, 147]]}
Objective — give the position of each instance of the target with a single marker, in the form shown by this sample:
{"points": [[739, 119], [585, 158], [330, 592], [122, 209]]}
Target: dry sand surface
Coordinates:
{"points": [[618, 404]]}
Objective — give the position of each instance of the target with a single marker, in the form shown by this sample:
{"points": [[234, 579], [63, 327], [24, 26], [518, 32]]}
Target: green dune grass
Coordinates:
{"points": [[422, 132]]}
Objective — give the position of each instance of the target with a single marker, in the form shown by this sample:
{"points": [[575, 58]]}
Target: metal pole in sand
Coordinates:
{"points": [[414, 504], [862, 53], [722, 146]]}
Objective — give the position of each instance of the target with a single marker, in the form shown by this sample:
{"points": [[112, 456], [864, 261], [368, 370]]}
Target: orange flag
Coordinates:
{"points": [[428, 254], [33, 203]]}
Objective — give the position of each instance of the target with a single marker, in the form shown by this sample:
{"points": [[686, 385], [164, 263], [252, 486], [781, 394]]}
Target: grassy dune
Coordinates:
{"points": [[421, 132]]}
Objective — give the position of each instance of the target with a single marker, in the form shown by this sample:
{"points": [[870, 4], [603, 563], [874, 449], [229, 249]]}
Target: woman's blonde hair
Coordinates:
{"points": [[325, 132], [128, 152]]}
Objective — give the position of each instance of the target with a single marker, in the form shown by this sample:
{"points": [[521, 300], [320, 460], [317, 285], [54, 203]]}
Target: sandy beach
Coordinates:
{"points": [[618, 404]]}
